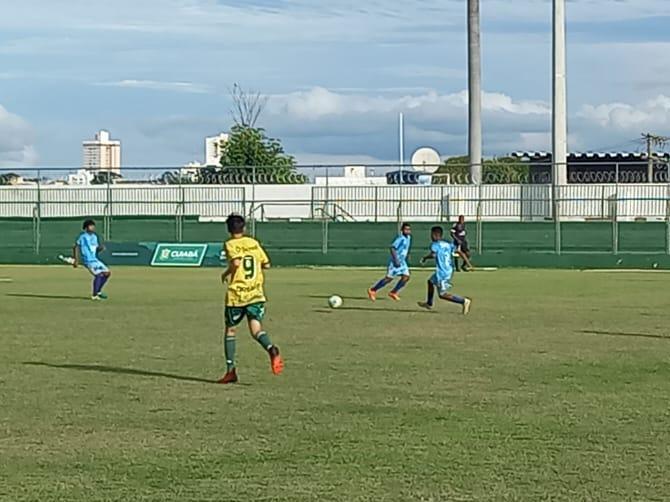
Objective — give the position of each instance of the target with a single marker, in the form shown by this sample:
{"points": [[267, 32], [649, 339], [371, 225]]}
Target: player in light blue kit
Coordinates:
{"points": [[442, 252], [86, 251], [397, 266]]}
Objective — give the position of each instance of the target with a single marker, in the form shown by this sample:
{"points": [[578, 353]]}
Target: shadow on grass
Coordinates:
{"points": [[374, 309], [325, 297], [97, 368], [630, 335], [49, 297]]}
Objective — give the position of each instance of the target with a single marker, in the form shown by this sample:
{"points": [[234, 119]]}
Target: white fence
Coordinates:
{"points": [[349, 203]]}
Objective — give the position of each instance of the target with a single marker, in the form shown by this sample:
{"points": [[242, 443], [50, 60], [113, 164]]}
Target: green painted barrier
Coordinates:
{"points": [[132, 241]]}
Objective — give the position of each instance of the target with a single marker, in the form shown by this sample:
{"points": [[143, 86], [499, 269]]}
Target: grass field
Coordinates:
{"points": [[557, 387]]}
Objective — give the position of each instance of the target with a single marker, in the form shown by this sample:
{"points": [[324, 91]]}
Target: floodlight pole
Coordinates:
{"points": [[474, 93], [559, 95], [401, 152], [559, 141], [401, 139]]}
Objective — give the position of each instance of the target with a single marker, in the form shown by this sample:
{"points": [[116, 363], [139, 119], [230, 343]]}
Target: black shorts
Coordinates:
{"points": [[463, 246]]}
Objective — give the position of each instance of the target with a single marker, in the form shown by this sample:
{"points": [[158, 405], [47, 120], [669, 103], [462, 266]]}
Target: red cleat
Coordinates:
{"points": [[394, 296], [276, 362], [229, 377], [372, 294]]}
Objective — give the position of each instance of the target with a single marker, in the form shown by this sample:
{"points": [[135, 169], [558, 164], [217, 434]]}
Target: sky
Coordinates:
{"points": [[157, 74]]}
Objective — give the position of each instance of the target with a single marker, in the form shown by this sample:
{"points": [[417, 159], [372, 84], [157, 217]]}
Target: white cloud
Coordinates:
{"points": [[16, 140], [321, 121], [653, 114], [319, 102], [154, 85], [367, 60]]}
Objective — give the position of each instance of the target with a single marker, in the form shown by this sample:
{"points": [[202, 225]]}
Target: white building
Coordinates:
{"points": [[82, 177], [213, 149], [102, 153]]}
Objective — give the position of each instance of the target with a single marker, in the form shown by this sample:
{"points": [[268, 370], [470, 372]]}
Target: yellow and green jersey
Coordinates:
{"points": [[245, 286]]}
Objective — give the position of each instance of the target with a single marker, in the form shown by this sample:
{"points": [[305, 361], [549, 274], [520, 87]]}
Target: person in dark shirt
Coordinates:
{"points": [[460, 236]]}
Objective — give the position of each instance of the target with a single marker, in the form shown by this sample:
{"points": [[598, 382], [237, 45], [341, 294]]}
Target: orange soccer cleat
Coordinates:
{"points": [[394, 296], [276, 362], [372, 294]]}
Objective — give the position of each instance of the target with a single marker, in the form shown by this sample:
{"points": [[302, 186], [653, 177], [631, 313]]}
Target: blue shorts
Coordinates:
{"points": [[394, 271], [96, 267], [443, 285]]}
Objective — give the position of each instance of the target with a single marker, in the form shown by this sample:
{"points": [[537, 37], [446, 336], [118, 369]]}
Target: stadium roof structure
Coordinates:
{"points": [[591, 156]]}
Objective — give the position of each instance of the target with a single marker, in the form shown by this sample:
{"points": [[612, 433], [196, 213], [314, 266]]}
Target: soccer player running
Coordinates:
{"points": [[397, 266], [459, 236], [86, 250], [442, 252], [245, 297]]}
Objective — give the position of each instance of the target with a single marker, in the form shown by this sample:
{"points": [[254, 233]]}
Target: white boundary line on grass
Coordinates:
{"points": [[23, 265], [344, 267], [626, 271]]}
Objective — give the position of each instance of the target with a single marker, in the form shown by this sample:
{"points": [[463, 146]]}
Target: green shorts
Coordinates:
{"points": [[235, 315]]}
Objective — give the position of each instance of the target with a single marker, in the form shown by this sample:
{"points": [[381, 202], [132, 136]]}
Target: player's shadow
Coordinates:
{"points": [[48, 297], [374, 309], [630, 335], [325, 297], [97, 368]]}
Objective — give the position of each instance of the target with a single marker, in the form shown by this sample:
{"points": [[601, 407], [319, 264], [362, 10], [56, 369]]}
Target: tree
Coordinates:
{"points": [[495, 171], [247, 106], [249, 156]]}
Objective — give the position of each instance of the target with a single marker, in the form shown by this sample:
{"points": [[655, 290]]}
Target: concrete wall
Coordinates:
{"points": [[348, 203]]}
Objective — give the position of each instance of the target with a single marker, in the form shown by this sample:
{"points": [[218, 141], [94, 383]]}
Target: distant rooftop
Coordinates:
{"points": [[592, 156]]}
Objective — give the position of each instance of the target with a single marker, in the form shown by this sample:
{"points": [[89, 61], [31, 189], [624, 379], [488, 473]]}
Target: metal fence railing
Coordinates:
{"points": [[35, 202]]}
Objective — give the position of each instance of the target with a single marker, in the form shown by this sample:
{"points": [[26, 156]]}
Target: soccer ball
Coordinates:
{"points": [[335, 302]]}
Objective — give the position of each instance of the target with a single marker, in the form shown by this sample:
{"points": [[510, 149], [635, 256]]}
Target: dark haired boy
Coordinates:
{"points": [[85, 250], [245, 297]]}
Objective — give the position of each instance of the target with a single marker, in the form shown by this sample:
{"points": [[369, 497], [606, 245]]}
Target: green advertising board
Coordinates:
{"points": [[179, 255]]}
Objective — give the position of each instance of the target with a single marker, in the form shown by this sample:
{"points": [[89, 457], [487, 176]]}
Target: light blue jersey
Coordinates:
{"points": [[444, 267], [88, 245], [401, 245]]}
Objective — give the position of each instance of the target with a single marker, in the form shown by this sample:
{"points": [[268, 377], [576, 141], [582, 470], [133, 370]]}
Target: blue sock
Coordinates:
{"points": [[380, 284], [401, 284], [103, 281], [457, 299], [97, 284], [431, 296]]}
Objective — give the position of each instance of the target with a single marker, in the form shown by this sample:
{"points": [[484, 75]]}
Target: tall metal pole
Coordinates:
{"points": [[474, 93], [559, 141], [401, 151], [560, 107], [401, 139], [650, 158]]}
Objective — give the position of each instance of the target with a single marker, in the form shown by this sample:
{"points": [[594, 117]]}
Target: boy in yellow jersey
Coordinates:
{"points": [[245, 296]]}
